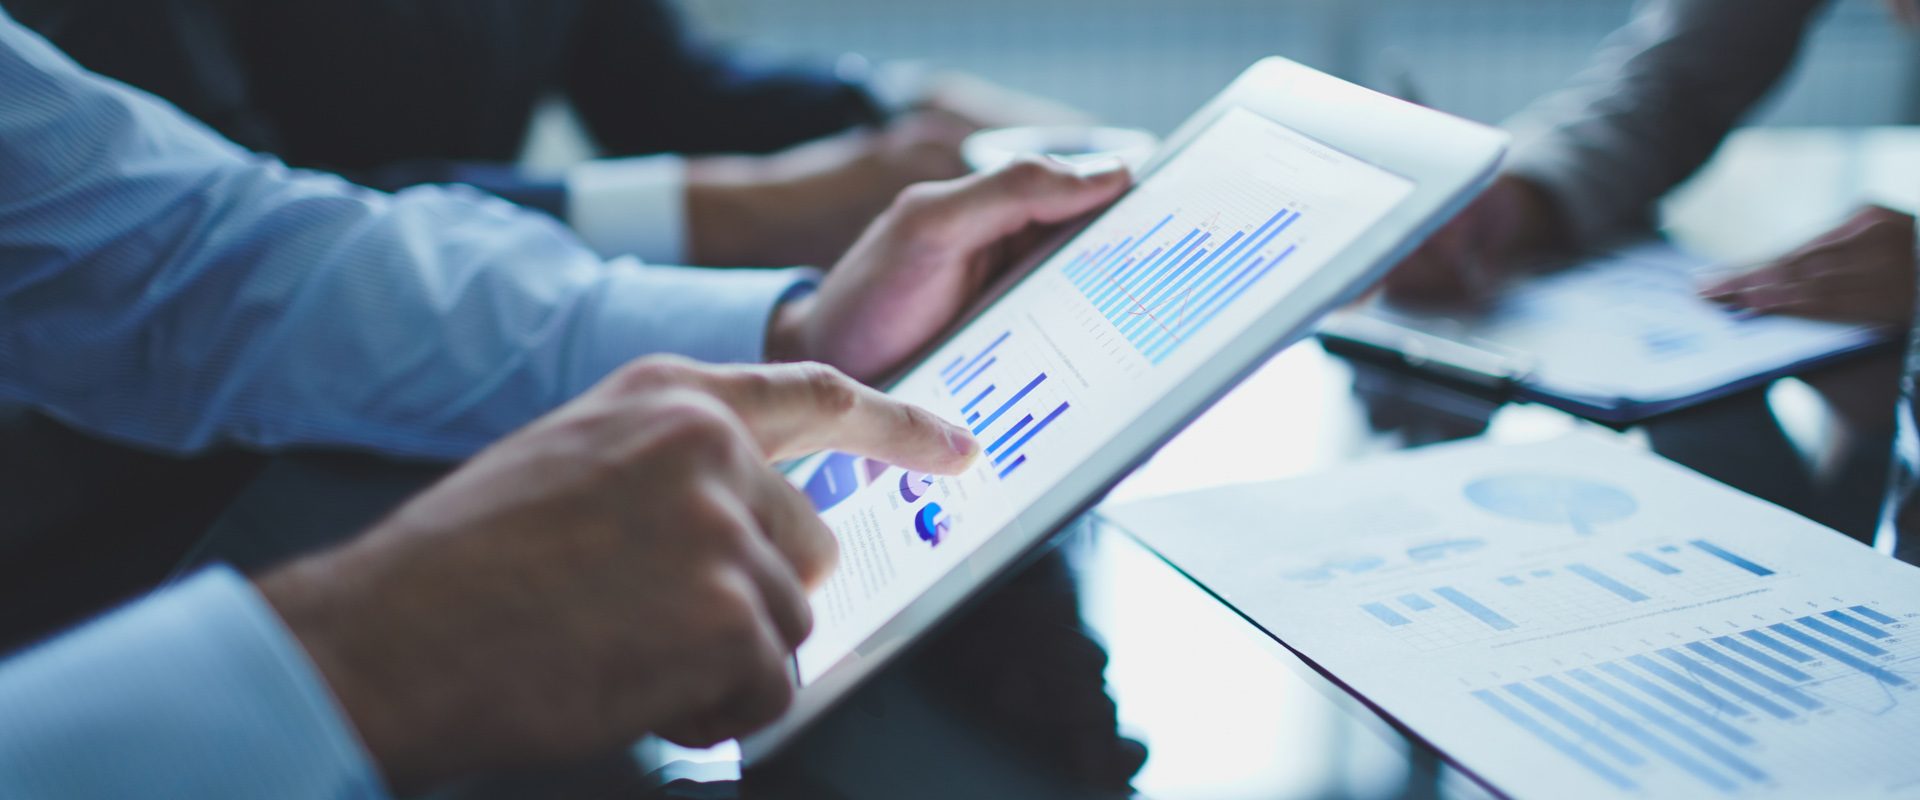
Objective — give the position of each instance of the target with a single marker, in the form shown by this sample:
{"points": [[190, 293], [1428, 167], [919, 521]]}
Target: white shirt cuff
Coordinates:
{"points": [[718, 316], [631, 206], [196, 691]]}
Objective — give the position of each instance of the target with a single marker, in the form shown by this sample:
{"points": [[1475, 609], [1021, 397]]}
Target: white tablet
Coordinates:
{"points": [[1280, 200]]}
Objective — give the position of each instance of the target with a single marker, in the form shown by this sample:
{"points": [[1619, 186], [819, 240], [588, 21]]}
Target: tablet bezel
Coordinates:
{"points": [[1447, 159]]}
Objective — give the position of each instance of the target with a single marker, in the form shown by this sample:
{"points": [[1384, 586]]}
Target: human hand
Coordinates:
{"points": [[1862, 270], [625, 565], [926, 259], [806, 205], [1512, 222]]}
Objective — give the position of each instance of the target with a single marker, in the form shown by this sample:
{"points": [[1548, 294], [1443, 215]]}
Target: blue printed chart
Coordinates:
{"points": [[1487, 606], [1594, 622], [1702, 707]]}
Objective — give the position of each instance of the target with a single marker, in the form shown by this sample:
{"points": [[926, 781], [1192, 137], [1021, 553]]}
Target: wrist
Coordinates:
{"points": [[787, 330], [322, 603], [722, 219]]}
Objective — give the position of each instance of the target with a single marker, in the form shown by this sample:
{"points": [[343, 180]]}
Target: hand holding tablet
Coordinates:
{"points": [[1278, 201]]}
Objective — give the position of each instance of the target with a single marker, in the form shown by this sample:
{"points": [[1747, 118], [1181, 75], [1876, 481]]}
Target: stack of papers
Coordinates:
{"points": [[1618, 339], [1577, 618]]}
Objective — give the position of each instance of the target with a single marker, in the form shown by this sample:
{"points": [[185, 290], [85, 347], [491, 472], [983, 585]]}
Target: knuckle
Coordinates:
{"points": [[918, 200], [705, 515], [734, 627], [652, 372], [829, 389], [1028, 173], [697, 429]]}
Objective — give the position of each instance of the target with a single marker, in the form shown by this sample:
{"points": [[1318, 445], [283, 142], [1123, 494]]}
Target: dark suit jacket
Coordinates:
{"points": [[398, 92], [390, 93]]}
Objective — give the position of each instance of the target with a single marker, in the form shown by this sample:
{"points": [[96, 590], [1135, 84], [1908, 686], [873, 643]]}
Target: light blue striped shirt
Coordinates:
{"points": [[161, 287]]}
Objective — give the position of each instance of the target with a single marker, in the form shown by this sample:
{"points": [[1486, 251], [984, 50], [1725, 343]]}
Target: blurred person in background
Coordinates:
{"points": [[717, 160], [1591, 162], [626, 564], [391, 95]]}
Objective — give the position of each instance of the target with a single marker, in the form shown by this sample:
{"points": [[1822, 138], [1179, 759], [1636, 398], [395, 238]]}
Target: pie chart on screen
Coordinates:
{"points": [[931, 523], [914, 485]]}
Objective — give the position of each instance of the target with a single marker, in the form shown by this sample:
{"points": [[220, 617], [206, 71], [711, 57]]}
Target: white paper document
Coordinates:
{"points": [[1578, 618], [1623, 330]]}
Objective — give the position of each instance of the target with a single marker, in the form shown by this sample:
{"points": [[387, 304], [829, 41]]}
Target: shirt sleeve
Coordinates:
{"points": [[199, 689], [1653, 106], [631, 206], [162, 287]]}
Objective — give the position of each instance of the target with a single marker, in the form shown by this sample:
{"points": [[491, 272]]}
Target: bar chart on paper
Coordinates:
{"points": [[1620, 627], [1161, 285], [1597, 588]]}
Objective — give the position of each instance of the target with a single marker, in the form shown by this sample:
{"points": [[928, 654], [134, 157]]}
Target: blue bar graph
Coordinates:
{"points": [[1162, 298], [1605, 581], [978, 358], [968, 408], [1011, 432], [1692, 687], [1669, 699], [1161, 291], [1841, 636], [1128, 293], [1472, 606], [970, 376], [1654, 564], [1842, 618], [1002, 446], [1701, 671], [1415, 602], [1580, 727], [1555, 740], [1385, 614], [1730, 558], [1672, 727], [1779, 647], [1641, 735], [995, 416], [1044, 422], [1838, 654], [1757, 657], [1874, 615], [1754, 676]]}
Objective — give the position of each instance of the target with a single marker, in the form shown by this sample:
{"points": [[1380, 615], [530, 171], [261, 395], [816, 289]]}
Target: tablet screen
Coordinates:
{"points": [[1079, 349]]}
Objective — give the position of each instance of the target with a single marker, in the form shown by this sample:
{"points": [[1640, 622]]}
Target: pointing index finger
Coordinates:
{"points": [[796, 409]]}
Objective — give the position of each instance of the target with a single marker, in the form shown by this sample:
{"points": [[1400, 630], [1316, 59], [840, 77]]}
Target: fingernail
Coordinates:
{"points": [[963, 443]]}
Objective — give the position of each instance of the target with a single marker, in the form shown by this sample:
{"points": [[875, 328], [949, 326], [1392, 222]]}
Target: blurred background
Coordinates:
{"points": [[1149, 63]]}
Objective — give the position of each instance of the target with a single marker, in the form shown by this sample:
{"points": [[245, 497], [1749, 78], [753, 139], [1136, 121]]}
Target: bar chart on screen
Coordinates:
{"points": [[1004, 405], [1160, 285]]}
